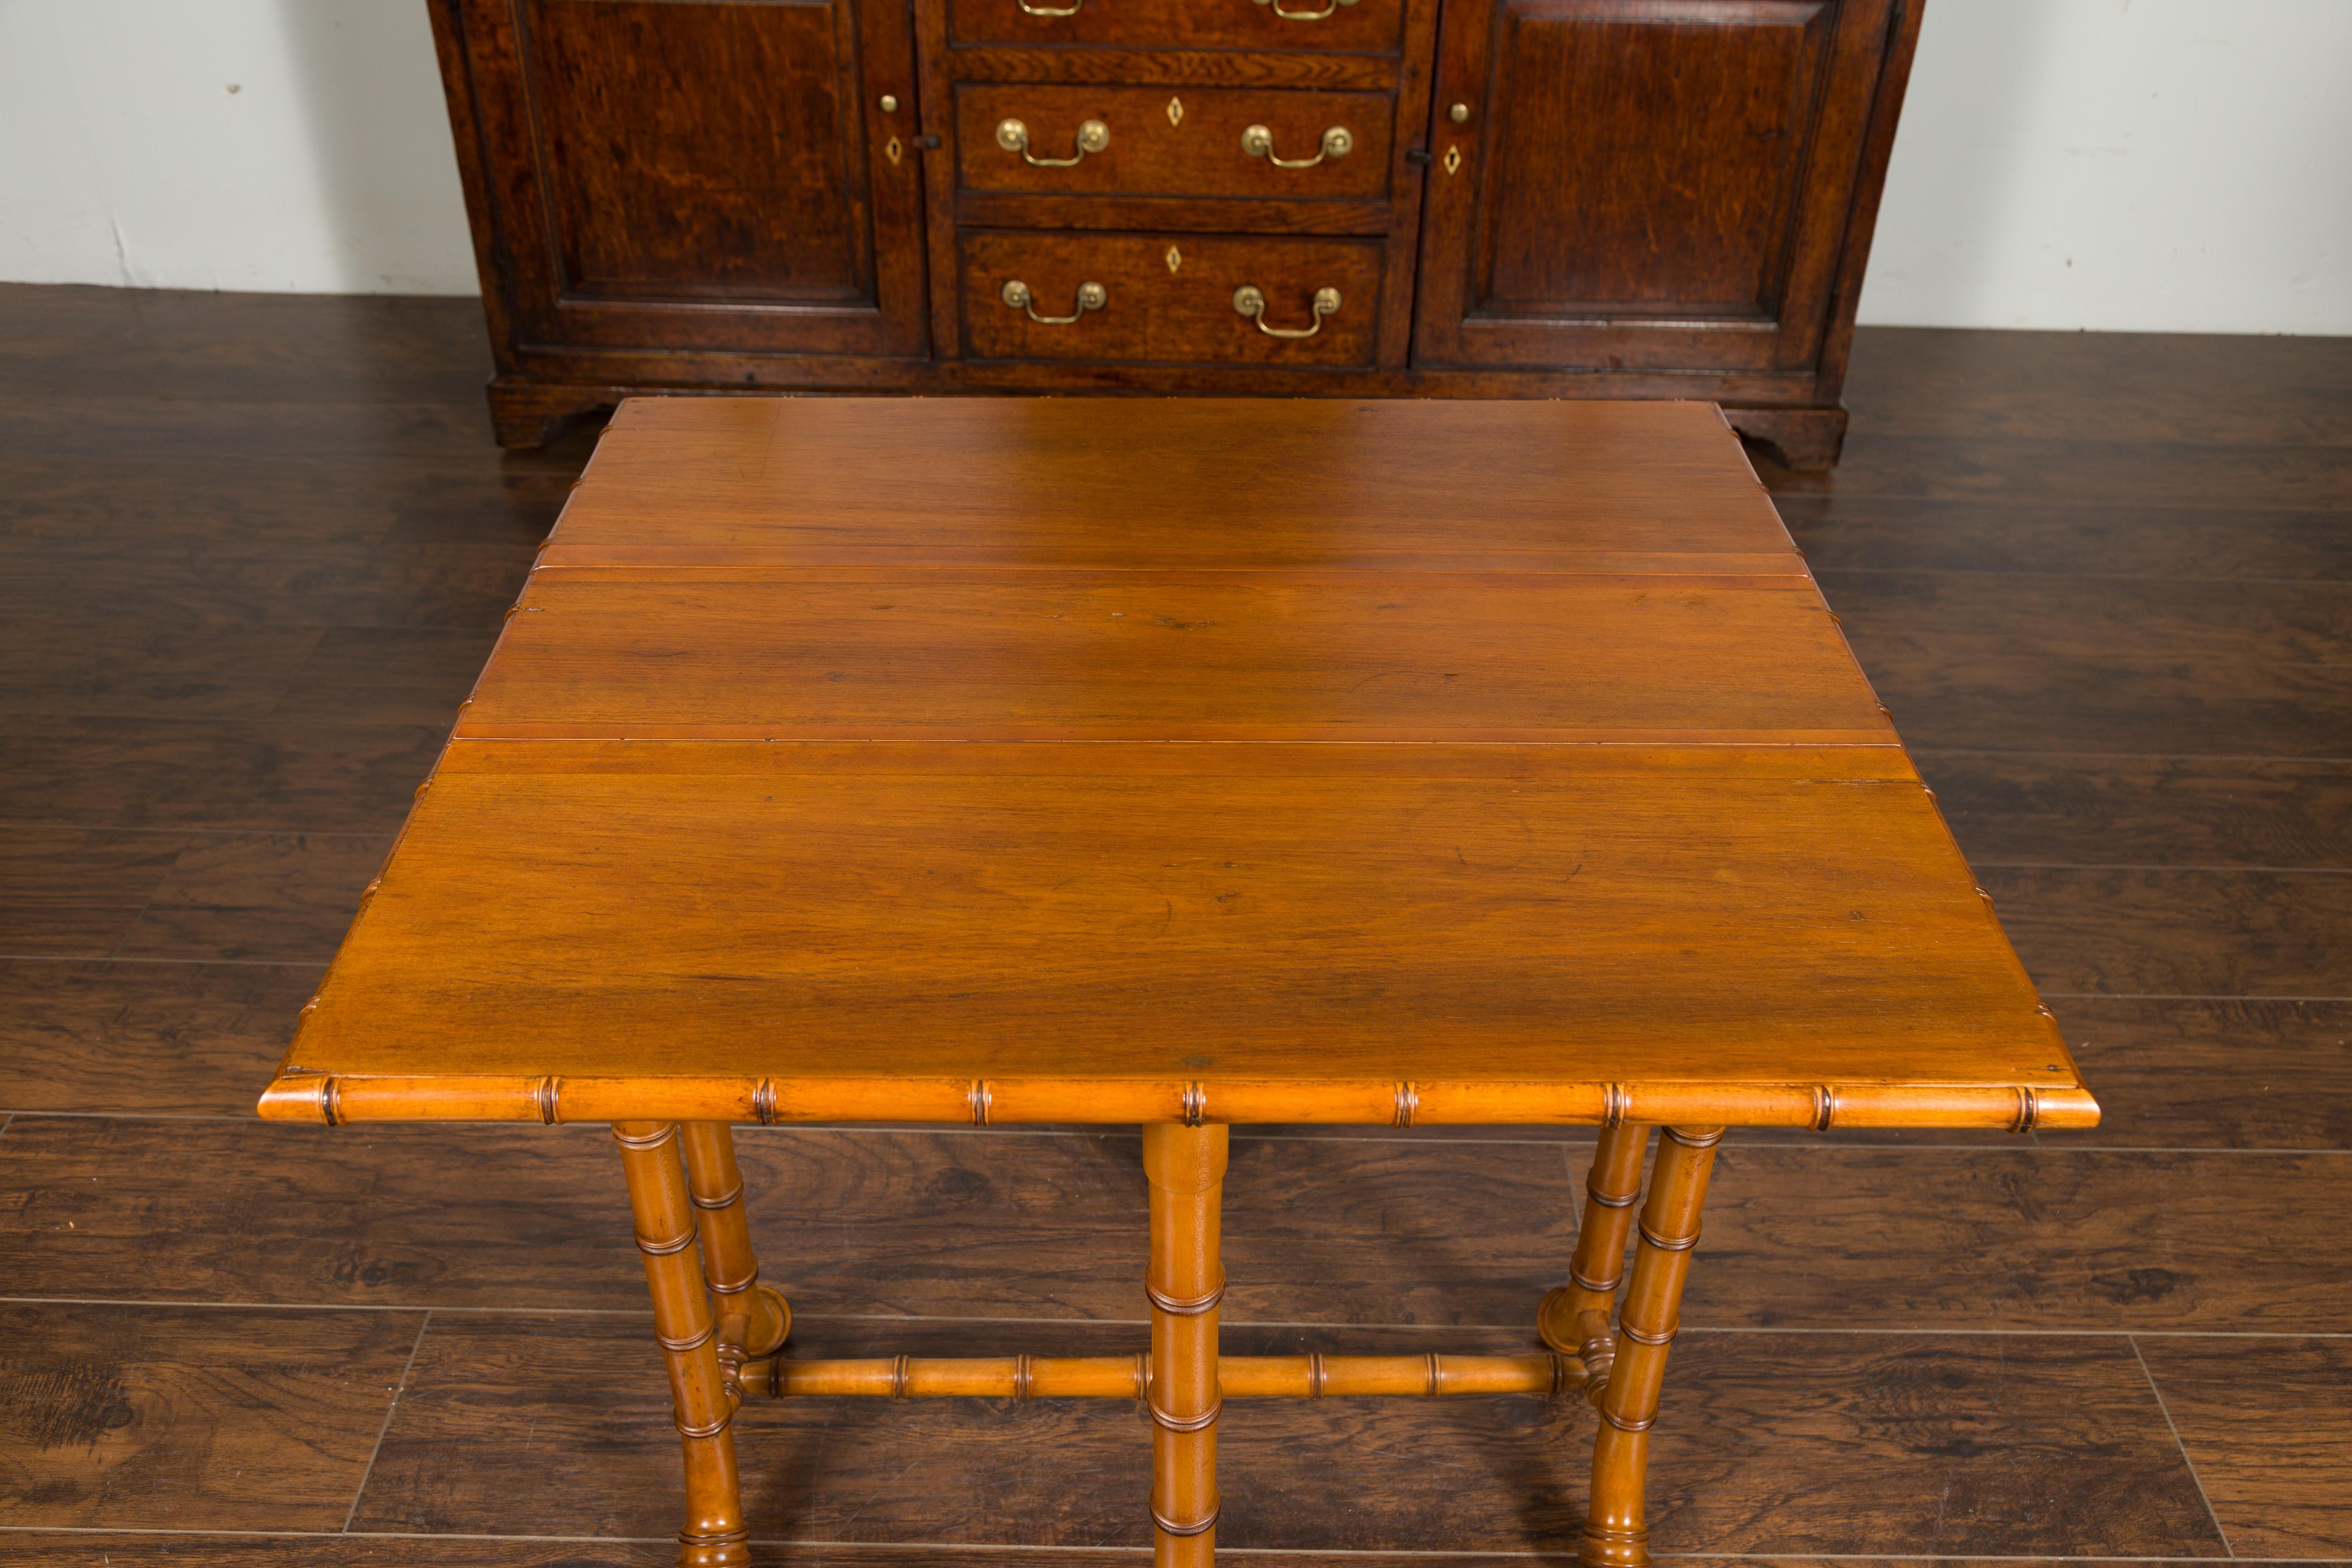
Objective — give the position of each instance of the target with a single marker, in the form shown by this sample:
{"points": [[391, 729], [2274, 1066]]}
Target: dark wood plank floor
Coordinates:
{"points": [[252, 550]]}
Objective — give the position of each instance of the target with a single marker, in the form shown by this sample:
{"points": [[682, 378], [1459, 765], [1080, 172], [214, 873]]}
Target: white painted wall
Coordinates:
{"points": [[2140, 165], [2153, 166], [246, 145]]}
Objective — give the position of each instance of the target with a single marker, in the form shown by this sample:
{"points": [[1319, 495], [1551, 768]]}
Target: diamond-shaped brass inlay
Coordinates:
{"points": [[1453, 159], [891, 150], [1175, 111], [1175, 259]]}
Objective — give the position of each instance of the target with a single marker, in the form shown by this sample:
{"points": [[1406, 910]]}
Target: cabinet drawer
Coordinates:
{"points": [[1169, 298], [1168, 141], [1365, 27]]}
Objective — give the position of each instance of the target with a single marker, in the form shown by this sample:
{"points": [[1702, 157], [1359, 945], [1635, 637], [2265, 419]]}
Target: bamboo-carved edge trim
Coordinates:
{"points": [[336, 1098]]}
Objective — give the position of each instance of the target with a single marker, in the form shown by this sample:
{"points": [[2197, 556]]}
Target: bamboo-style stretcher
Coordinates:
{"points": [[1402, 764]]}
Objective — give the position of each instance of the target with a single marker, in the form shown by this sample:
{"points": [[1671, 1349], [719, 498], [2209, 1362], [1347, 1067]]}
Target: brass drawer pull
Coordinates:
{"points": [[1258, 142], [1328, 7], [1050, 10], [1250, 300], [1091, 297], [1013, 137]]}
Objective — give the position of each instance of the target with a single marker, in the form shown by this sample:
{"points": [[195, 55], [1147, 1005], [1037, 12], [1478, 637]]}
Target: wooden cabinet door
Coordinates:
{"points": [[701, 173], [1642, 183]]}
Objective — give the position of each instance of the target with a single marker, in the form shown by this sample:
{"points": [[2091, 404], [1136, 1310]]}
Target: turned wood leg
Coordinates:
{"points": [[752, 1319], [1616, 1528], [715, 1535], [1186, 1168], [1573, 1319]]}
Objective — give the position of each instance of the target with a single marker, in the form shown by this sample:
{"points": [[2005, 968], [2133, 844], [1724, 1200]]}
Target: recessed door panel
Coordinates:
{"points": [[698, 150], [1642, 184], [704, 174]]}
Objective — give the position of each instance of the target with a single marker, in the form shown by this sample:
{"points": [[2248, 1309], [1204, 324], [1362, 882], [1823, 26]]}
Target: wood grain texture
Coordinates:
{"points": [[140, 500], [1981, 700], [2276, 1479], [2085, 1238], [2192, 933], [98, 893], [1918, 615], [1156, 655], [76, 891], [1372, 26], [1840, 533], [2012, 809], [192, 1418], [888, 1224], [2185, 387], [109, 1549], [2029, 471], [1731, 916], [2215, 1074], [1909, 1442], [87, 666], [1640, 186], [250, 775], [810, 481], [1198, 152], [892, 1223], [398, 675], [1436, 951], [227, 1222], [177, 1038], [375, 584], [1158, 315], [81, 339]]}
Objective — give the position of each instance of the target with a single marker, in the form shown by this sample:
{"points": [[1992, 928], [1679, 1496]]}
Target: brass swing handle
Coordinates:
{"points": [[1050, 10], [1013, 137], [1250, 300], [1328, 7], [1091, 297], [1258, 142]]}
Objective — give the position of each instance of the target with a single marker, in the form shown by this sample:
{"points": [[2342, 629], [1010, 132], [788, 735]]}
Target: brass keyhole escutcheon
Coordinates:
{"points": [[1175, 111], [1453, 160], [892, 150], [1175, 259]]}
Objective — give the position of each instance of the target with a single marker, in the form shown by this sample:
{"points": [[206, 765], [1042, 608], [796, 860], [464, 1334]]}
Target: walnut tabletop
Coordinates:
{"points": [[1189, 760]]}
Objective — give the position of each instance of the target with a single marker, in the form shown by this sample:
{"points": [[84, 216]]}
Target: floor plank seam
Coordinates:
{"points": [[1139, 1551], [2074, 754], [133, 958], [2180, 996], [1570, 1144], [1820, 570], [1333, 1325], [391, 1408], [2174, 1427], [2122, 866]]}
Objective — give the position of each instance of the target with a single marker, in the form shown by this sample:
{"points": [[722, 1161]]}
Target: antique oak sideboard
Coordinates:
{"points": [[1490, 198]]}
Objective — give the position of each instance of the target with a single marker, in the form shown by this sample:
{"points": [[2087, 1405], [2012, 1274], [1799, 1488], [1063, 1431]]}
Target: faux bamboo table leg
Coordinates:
{"points": [[1616, 1528], [1186, 1168], [728, 1264], [715, 1535], [1573, 1319]]}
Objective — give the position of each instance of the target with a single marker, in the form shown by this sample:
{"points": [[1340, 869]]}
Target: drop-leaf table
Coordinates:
{"points": [[1187, 764]]}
